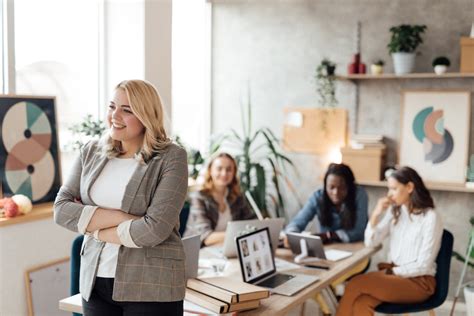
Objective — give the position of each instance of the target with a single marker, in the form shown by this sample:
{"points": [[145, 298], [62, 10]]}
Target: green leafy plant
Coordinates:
{"points": [[379, 62], [195, 159], [326, 83], [89, 128], [405, 38], [470, 256], [470, 169], [441, 60], [259, 158]]}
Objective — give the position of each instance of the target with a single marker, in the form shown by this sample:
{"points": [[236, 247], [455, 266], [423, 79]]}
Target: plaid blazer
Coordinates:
{"points": [[156, 191], [204, 214]]}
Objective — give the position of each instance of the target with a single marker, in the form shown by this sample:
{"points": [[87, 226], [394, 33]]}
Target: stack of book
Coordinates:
{"points": [[362, 141], [222, 295]]}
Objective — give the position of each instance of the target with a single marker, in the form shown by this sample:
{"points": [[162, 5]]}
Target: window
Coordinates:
{"points": [[57, 54], [191, 48]]}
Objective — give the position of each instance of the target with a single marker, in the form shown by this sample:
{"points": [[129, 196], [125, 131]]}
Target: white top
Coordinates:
{"points": [[107, 192], [414, 241], [224, 217]]}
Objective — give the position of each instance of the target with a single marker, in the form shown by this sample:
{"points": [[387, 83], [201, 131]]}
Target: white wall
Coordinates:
{"points": [[23, 246]]}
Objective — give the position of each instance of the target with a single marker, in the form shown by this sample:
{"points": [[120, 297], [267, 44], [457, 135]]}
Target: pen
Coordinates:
{"points": [[316, 267]]}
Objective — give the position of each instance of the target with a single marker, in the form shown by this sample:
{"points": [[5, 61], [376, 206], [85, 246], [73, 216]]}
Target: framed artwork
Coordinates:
{"points": [[29, 156], [435, 134]]}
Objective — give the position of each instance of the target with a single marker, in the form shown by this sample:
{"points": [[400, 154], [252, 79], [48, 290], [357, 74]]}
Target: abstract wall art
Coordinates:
{"points": [[29, 159], [435, 134]]}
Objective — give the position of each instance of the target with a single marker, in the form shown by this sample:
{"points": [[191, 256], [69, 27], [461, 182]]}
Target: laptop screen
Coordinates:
{"points": [[255, 255]]}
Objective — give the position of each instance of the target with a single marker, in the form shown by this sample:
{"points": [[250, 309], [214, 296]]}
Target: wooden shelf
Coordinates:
{"points": [[431, 186], [427, 75], [40, 211]]}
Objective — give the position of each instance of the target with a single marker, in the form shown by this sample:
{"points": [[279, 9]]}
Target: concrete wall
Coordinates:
{"points": [[271, 48]]}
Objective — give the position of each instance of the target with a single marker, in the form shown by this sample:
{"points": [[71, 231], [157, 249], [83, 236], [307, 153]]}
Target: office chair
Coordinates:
{"points": [[183, 218], [443, 262], [76, 266]]}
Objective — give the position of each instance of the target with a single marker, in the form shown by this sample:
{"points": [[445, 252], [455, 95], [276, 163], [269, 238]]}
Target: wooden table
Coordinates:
{"points": [[278, 304]]}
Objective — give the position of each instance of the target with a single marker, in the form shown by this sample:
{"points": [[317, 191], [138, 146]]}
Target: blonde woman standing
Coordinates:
{"points": [[125, 194]]}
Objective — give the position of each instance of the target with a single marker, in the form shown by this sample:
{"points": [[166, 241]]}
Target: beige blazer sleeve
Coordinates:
{"points": [[66, 211], [162, 215]]}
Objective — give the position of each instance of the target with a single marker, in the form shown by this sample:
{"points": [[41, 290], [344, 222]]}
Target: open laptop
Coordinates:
{"points": [[237, 228], [257, 264], [315, 247], [192, 245]]}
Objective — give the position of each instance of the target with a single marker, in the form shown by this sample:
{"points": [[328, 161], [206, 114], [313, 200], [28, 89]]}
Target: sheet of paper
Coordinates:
{"points": [[335, 255], [294, 119]]}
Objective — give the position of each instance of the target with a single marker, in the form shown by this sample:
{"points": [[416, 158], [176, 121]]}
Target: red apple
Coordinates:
{"points": [[10, 208]]}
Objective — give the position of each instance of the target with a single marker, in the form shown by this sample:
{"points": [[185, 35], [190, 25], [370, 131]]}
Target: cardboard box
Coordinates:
{"points": [[367, 164], [467, 54]]}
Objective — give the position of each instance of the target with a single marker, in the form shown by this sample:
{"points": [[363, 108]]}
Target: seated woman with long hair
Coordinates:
{"points": [[217, 202], [413, 228], [340, 206]]}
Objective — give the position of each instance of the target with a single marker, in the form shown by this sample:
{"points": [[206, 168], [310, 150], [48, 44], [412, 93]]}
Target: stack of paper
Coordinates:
{"points": [[361, 141]]}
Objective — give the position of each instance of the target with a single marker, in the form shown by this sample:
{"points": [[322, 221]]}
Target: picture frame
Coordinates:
{"points": [[434, 140], [53, 275], [29, 149]]}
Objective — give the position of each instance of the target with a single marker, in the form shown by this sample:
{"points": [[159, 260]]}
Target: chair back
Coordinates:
{"points": [[76, 266], [183, 218], [443, 265]]}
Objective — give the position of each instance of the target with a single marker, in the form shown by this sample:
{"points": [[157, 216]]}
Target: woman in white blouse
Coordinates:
{"points": [[406, 216]]}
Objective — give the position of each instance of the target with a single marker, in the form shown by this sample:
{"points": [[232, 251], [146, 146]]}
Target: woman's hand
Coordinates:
{"points": [[286, 244], [382, 205]]}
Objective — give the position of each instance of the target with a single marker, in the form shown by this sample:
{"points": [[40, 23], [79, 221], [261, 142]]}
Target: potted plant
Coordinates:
{"points": [[403, 44], [377, 67], [441, 64], [326, 83], [86, 130], [259, 159]]}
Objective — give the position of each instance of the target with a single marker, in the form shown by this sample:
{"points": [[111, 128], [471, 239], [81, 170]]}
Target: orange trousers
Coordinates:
{"points": [[364, 292]]}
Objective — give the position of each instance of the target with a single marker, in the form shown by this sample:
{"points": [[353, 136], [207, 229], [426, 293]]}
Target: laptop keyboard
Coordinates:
{"points": [[276, 280]]}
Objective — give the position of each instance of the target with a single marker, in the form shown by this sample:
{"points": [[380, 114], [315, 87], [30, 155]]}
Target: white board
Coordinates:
{"points": [[46, 285]]}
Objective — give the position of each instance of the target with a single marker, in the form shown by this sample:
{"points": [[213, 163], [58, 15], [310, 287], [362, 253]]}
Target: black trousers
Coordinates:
{"points": [[101, 304]]}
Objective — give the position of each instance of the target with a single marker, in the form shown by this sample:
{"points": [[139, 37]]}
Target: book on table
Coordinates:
{"points": [[228, 291], [216, 305]]}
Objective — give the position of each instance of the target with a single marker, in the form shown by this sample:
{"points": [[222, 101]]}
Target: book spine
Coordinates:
{"points": [[213, 291], [206, 301]]}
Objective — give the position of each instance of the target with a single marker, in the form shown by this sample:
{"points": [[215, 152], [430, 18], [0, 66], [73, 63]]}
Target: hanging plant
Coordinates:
{"points": [[326, 83]]}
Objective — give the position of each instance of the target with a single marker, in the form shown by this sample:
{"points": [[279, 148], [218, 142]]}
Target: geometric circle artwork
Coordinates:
{"points": [[428, 128], [28, 164]]}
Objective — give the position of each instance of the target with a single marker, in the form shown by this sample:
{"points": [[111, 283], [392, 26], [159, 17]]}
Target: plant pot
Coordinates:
{"points": [[376, 69], [330, 70], [403, 63], [440, 69], [469, 297]]}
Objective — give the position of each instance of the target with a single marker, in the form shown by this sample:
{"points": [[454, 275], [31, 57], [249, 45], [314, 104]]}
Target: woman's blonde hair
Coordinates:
{"points": [[146, 105], [234, 185]]}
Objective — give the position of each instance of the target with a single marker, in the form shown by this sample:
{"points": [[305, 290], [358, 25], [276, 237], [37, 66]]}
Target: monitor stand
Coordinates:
{"points": [[303, 257]]}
